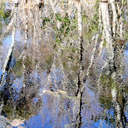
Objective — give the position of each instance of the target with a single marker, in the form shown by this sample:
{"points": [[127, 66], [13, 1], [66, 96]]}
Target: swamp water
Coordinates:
{"points": [[39, 88]]}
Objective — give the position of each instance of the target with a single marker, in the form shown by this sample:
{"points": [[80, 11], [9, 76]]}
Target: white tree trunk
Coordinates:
{"points": [[107, 28], [9, 51], [10, 48], [117, 108]]}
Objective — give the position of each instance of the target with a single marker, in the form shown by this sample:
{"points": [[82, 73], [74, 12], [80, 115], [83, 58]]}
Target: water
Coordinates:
{"points": [[43, 93]]}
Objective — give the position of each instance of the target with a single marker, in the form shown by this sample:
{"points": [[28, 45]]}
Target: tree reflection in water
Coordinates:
{"points": [[40, 84]]}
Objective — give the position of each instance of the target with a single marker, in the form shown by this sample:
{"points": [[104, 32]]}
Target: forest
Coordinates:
{"points": [[63, 63]]}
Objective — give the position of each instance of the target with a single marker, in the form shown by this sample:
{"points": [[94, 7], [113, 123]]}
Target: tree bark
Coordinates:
{"points": [[79, 93], [107, 28]]}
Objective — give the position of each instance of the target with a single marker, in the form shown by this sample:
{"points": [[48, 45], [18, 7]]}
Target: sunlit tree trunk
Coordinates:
{"points": [[107, 27]]}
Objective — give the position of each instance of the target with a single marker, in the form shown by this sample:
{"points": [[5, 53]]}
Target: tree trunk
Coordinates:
{"points": [[80, 75], [10, 51], [113, 63]]}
